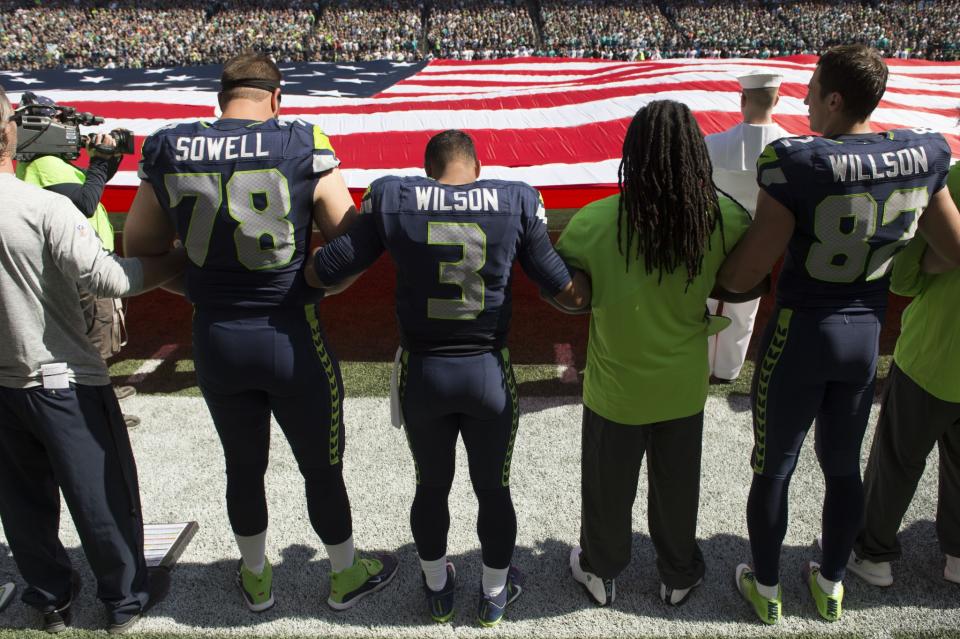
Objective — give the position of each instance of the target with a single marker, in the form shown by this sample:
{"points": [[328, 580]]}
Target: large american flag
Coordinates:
{"points": [[557, 124]]}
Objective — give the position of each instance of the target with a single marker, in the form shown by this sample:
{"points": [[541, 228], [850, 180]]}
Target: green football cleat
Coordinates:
{"points": [[364, 577], [768, 610], [257, 590], [827, 605]]}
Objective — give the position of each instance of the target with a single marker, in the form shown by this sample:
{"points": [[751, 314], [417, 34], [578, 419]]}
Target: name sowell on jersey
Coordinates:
{"points": [[240, 195]]}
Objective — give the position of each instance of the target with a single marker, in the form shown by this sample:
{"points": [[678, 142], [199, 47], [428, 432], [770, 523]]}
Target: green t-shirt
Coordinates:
{"points": [[48, 170], [647, 354], [928, 349]]}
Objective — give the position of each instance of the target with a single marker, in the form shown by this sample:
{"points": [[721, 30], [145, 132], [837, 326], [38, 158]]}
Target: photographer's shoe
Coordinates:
{"points": [[57, 619], [159, 589]]}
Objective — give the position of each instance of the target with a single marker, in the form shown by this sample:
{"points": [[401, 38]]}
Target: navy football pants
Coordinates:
{"points": [[812, 367], [251, 364], [476, 397], [72, 440]]}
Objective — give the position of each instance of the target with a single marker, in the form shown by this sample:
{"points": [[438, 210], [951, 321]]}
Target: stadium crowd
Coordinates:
{"points": [[123, 33], [606, 29]]}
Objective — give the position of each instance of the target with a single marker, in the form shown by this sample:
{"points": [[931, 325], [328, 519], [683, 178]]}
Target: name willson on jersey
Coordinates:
{"points": [[434, 198], [234, 147], [852, 167]]}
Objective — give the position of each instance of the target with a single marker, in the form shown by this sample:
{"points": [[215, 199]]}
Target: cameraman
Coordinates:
{"points": [[60, 423], [104, 317]]}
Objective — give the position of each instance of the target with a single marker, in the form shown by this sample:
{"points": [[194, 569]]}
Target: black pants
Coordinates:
{"points": [[815, 367], [911, 422], [251, 364], [474, 397], [72, 440], [612, 456]]}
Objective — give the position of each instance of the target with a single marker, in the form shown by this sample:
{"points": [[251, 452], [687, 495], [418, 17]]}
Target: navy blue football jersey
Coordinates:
{"points": [[240, 194], [856, 199], [454, 249]]}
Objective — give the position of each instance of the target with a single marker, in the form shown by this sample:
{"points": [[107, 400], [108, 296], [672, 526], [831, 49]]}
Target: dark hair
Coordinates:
{"points": [[248, 66], [858, 74], [668, 204], [446, 147]]}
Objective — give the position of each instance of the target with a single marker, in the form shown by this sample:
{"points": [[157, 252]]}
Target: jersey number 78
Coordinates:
{"points": [[255, 222]]}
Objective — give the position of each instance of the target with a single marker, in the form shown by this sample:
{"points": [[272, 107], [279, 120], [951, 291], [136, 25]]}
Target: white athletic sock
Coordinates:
{"points": [[832, 588], [435, 572], [768, 592], [253, 550], [341, 555], [494, 580]]}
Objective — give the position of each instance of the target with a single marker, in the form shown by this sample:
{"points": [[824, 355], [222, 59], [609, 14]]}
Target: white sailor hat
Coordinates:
{"points": [[760, 80]]}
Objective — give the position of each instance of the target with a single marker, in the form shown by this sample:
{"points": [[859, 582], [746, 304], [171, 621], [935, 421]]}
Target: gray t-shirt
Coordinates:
{"points": [[47, 249]]}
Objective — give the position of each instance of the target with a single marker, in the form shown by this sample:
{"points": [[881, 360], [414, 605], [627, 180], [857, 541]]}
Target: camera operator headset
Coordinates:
{"points": [[47, 166]]}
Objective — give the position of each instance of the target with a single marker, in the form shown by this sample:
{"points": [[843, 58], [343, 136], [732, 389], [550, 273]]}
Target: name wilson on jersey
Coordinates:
{"points": [[852, 167], [433, 198]]}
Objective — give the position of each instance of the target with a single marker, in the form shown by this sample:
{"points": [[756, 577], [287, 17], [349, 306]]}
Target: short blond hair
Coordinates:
{"points": [[763, 98], [6, 112]]}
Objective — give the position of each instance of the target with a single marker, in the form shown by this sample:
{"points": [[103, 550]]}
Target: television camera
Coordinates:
{"points": [[53, 129]]}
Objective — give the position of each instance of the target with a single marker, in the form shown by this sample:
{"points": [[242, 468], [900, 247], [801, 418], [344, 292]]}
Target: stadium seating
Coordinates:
{"points": [[123, 33]]}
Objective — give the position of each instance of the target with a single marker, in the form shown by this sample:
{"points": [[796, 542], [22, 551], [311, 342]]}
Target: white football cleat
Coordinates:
{"points": [[603, 591]]}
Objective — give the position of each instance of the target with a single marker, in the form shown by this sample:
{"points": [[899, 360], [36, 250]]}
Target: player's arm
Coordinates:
{"points": [[338, 264], [148, 231], [574, 299], [559, 284], [722, 294], [932, 263], [333, 208], [758, 250], [940, 227]]}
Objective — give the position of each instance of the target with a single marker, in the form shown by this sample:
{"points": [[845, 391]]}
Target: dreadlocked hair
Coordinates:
{"points": [[668, 205]]}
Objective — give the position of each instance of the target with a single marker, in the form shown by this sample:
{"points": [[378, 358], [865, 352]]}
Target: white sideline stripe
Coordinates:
{"points": [[602, 172], [151, 365], [563, 357]]}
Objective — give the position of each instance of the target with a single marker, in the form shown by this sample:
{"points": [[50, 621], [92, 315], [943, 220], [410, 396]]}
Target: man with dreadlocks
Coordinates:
{"points": [[652, 253], [841, 206]]}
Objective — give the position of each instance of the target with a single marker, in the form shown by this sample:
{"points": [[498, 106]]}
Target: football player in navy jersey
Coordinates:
{"points": [[454, 239], [841, 206], [242, 193]]}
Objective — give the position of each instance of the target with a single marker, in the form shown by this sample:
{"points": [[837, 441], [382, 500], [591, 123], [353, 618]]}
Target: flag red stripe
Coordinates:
{"points": [[526, 147]]}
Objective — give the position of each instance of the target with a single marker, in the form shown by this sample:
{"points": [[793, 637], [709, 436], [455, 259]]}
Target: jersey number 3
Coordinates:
{"points": [[464, 273], [841, 254], [264, 237]]}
